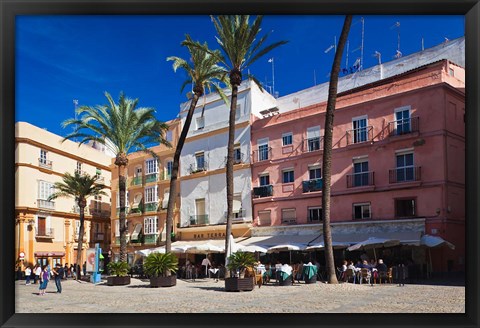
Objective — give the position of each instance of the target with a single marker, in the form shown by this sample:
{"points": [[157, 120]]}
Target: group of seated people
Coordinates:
{"points": [[375, 270]]}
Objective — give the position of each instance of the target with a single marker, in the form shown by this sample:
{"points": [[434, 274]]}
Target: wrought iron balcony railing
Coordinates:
{"points": [[359, 135], [199, 219], [262, 154], [151, 207], [152, 177], [312, 185], [45, 233], [403, 126], [405, 174], [263, 191], [312, 144], [45, 163], [360, 179]]}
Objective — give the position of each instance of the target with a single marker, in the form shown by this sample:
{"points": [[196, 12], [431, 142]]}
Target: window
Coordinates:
{"points": [[200, 122], [41, 226], [314, 214], [314, 172], [138, 171], [151, 194], [264, 218], [287, 139], [405, 169], [289, 215], [313, 138], [79, 167], [151, 166], [263, 149], [402, 120], [77, 227], [451, 72], [45, 189], [127, 193], [150, 226], [405, 207], [169, 136], [359, 129], [98, 203], [169, 169], [200, 160], [360, 172], [288, 176], [237, 154], [43, 157], [238, 113], [361, 211], [264, 180]]}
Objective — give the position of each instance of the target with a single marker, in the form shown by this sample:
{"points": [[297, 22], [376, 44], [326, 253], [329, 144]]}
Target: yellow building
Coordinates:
{"points": [[148, 185], [47, 231]]}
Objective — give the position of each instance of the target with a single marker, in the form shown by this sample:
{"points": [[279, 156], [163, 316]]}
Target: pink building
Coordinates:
{"points": [[397, 171]]}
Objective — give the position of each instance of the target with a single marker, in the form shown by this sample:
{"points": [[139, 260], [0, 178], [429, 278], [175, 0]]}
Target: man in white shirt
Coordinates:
{"points": [[206, 263]]}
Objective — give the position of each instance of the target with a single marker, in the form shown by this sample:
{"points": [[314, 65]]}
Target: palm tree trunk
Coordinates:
{"points": [[229, 174], [327, 151], [81, 232], [173, 178], [122, 180]]}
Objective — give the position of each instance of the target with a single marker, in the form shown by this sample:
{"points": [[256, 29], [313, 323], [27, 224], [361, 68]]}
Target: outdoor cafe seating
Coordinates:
{"points": [[285, 276]]}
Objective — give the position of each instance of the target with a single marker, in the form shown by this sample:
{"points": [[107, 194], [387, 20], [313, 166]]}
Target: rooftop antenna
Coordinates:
{"points": [[333, 46], [314, 77], [346, 60], [379, 57], [398, 54], [271, 60], [360, 67]]}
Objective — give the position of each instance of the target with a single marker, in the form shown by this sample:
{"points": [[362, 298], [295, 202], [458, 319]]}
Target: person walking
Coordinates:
{"points": [[58, 274], [65, 271], [44, 278], [38, 272], [28, 273]]}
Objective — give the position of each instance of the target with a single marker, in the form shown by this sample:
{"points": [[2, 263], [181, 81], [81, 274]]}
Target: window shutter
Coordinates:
{"points": [[313, 132]]}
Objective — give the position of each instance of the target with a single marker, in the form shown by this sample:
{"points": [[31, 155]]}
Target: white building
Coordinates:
{"points": [[203, 161]]}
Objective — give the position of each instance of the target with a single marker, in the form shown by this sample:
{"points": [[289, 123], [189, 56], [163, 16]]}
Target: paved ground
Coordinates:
{"points": [[205, 295]]}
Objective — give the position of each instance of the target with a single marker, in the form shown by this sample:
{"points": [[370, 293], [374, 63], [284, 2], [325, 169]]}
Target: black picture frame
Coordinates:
{"points": [[11, 8]]}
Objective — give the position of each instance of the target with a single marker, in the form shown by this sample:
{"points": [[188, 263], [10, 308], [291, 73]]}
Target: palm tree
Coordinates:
{"points": [[238, 41], [122, 128], [327, 151], [80, 187], [203, 72]]}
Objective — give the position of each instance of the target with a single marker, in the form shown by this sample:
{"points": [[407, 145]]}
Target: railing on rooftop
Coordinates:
{"points": [[43, 203]]}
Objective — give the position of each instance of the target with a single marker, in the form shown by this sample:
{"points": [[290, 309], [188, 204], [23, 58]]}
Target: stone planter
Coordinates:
{"points": [[311, 280], [238, 284], [163, 281], [118, 281]]}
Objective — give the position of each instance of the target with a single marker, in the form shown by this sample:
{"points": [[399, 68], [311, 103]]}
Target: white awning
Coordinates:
{"points": [[237, 204], [166, 196], [435, 241], [136, 231], [272, 241]]}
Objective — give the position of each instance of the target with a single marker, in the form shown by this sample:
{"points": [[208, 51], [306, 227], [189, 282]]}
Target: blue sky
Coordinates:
{"points": [[62, 58]]}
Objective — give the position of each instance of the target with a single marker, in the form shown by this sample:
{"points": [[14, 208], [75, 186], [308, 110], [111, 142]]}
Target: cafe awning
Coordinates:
{"points": [[272, 241]]}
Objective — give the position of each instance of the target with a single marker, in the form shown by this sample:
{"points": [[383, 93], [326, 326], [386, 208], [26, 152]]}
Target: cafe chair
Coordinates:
{"points": [[365, 275], [350, 274]]}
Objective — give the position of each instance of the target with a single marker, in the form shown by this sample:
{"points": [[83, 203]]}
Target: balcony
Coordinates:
{"points": [[100, 179], [84, 236], [262, 155], [312, 144], [150, 239], [45, 163], [360, 179], [312, 185], [45, 233], [42, 203], [405, 174], [197, 168], [99, 213], [263, 191], [359, 135], [137, 181], [404, 126], [151, 207], [199, 219], [151, 177], [76, 209], [238, 216]]}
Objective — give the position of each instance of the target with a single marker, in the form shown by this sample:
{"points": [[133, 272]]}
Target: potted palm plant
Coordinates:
{"points": [[118, 274], [237, 264], [157, 265]]}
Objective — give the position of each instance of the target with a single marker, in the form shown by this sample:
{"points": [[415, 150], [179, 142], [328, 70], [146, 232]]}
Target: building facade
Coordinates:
{"points": [[203, 161], [148, 190], [47, 231], [397, 164]]}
